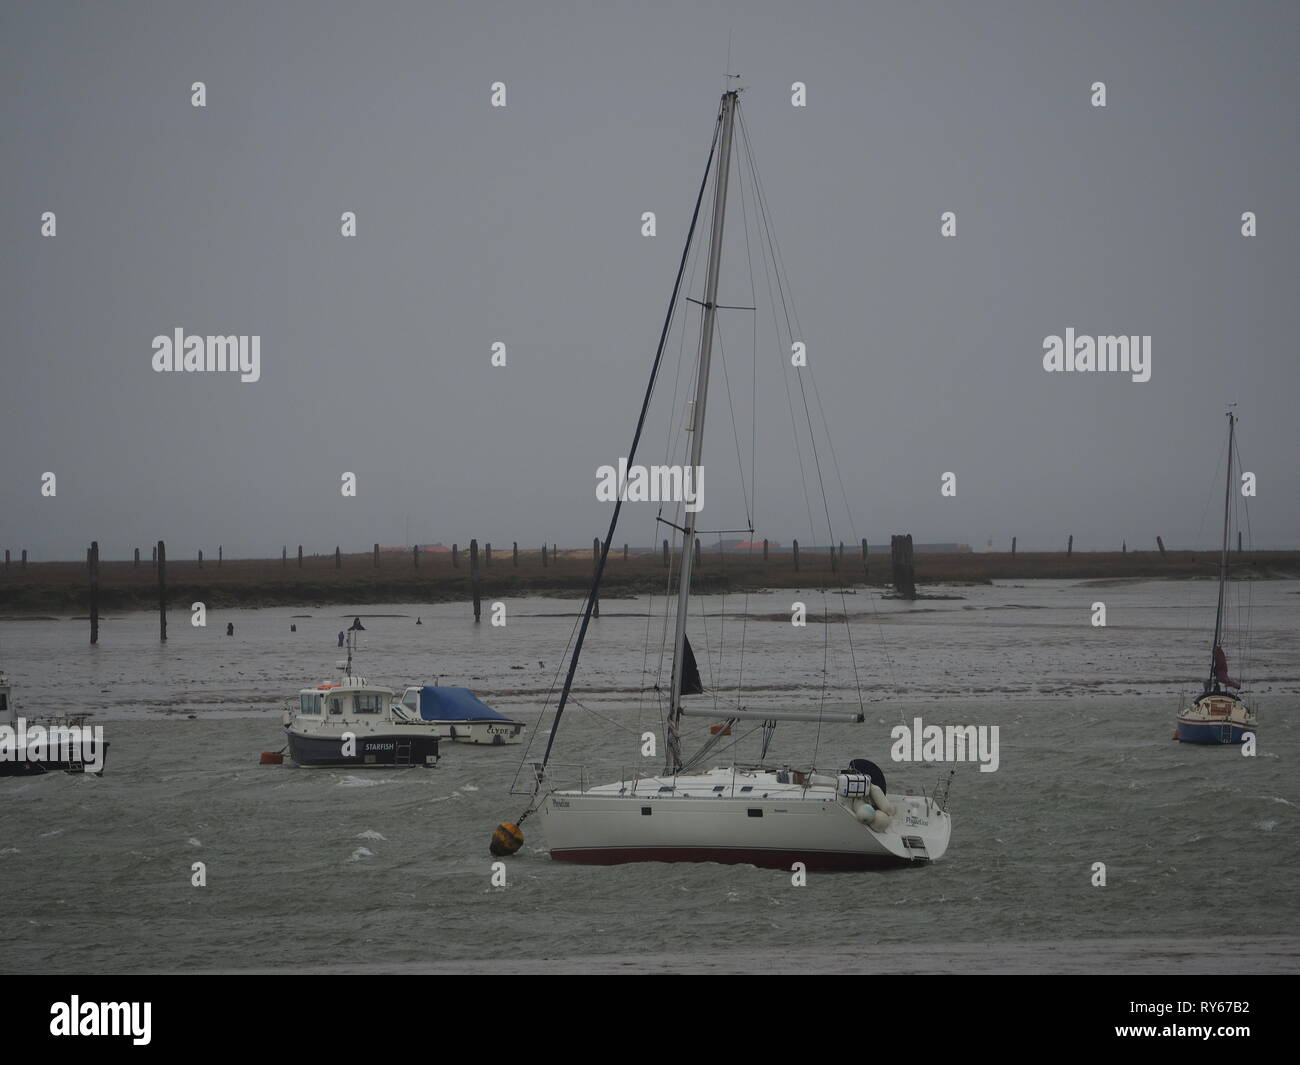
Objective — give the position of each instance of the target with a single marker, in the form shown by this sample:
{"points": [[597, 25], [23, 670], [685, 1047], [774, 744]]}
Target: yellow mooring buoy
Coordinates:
{"points": [[506, 840]]}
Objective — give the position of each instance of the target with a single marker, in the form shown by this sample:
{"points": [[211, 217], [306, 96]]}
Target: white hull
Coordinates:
{"points": [[772, 824], [491, 733]]}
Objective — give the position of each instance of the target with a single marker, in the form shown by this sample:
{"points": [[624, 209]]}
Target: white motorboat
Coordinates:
{"points": [[459, 715], [30, 746]]}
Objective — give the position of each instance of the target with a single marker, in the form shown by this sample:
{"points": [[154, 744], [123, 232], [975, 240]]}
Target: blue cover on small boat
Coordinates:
{"points": [[439, 703]]}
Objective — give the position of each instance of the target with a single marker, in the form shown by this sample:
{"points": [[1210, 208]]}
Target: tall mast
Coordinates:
{"points": [[1223, 558], [695, 424]]}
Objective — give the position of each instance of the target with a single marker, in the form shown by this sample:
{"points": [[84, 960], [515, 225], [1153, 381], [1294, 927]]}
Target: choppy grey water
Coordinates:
{"points": [[389, 870]]}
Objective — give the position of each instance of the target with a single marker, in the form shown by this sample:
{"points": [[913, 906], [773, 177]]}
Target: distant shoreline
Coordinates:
{"points": [[63, 587]]}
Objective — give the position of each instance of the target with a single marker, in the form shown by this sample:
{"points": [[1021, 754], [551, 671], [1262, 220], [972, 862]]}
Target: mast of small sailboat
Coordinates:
{"points": [[695, 425], [1223, 558]]}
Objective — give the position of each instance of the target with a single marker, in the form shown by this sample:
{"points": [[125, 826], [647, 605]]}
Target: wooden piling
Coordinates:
{"points": [[220, 550], [795, 549], [544, 561], [595, 565], [1069, 547], [765, 550], [473, 578], [487, 555], [160, 553], [376, 556], [1160, 544], [24, 565], [1123, 548], [284, 556], [300, 556], [338, 557], [92, 564], [200, 560], [1013, 547], [153, 561], [625, 552], [900, 552], [1238, 541], [415, 557], [455, 556], [137, 558], [515, 553]]}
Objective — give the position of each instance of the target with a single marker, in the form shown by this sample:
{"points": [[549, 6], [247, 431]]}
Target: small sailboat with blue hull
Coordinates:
{"points": [[1219, 715]]}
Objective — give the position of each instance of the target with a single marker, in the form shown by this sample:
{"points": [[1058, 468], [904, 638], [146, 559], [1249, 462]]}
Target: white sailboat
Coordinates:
{"points": [[759, 813]]}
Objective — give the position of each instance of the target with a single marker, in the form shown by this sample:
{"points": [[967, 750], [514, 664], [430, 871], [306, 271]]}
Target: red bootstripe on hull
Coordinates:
{"points": [[764, 859]]}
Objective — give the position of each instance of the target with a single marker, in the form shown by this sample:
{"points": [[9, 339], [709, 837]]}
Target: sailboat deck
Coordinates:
{"points": [[721, 783]]}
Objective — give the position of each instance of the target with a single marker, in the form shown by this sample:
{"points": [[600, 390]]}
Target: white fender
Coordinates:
{"points": [[879, 801], [880, 822], [863, 811]]}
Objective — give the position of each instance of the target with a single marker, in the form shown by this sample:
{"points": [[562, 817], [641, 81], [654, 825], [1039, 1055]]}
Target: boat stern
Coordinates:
{"points": [[1216, 718]]}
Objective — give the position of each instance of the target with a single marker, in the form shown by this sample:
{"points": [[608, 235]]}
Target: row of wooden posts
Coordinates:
{"points": [[549, 553], [554, 552], [160, 563], [901, 560]]}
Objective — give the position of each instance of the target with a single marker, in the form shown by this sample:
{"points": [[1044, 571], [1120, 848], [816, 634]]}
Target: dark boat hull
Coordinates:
{"points": [[391, 751], [30, 768], [1213, 732]]}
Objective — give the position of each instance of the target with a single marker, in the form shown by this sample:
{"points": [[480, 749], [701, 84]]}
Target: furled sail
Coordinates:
{"points": [[690, 671]]}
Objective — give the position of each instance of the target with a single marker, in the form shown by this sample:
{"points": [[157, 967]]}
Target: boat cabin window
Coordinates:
{"points": [[310, 703], [336, 705], [369, 702], [411, 700]]}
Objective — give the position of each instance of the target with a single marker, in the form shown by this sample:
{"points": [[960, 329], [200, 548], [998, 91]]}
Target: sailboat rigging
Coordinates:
{"points": [[757, 814]]}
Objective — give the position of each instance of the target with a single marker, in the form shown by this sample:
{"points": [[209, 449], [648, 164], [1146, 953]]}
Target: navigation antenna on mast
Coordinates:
{"points": [[353, 629]]}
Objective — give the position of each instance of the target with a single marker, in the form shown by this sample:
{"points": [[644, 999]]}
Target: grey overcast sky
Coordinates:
{"points": [[522, 225]]}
